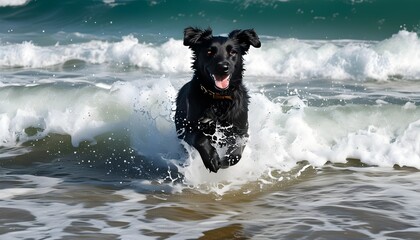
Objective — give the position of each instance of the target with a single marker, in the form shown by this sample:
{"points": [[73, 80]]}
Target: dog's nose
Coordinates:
{"points": [[224, 67]]}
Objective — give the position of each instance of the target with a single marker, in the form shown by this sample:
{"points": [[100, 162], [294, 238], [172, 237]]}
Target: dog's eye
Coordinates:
{"points": [[210, 52], [233, 53]]}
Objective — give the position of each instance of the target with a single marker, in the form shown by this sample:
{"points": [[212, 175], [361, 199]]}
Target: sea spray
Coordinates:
{"points": [[283, 131]]}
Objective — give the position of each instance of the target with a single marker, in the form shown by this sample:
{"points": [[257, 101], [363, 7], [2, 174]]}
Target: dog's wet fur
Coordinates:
{"points": [[215, 98]]}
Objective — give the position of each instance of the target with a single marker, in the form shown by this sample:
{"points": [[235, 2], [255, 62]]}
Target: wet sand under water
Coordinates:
{"points": [[348, 201]]}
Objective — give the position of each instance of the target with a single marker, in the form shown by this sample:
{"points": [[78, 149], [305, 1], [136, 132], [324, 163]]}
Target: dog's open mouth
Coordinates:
{"points": [[221, 81]]}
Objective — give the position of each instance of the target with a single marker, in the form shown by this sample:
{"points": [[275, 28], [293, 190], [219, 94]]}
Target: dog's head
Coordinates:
{"points": [[218, 60]]}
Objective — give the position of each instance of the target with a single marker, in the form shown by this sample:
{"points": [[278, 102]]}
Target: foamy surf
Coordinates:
{"points": [[397, 57], [7, 3], [285, 131]]}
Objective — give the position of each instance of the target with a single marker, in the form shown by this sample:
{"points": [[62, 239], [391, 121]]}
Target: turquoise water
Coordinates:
{"points": [[88, 147], [303, 19]]}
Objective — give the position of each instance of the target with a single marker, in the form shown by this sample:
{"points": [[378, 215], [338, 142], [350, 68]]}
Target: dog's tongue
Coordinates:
{"points": [[221, 81]]}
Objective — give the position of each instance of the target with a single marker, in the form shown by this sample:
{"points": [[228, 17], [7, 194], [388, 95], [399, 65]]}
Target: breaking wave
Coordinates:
{"points": [[285, 59]]}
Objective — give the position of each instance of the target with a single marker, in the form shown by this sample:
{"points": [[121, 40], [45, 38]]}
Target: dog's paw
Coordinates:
{"points": [[230, 160], [213, 163]]}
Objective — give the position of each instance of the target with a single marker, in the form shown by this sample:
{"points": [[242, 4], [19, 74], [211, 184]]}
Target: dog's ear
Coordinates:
{"points": [[196, 36], [246, 38]]}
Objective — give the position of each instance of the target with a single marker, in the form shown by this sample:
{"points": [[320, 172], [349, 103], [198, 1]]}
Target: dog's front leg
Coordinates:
{"points": [[207, 152], [233, 153], [236, 145]]}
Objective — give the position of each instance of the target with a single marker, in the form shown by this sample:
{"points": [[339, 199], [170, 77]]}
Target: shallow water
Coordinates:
{"points": [[349, 201]]}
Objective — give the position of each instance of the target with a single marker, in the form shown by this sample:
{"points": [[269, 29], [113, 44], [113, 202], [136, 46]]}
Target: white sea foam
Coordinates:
{"points": [[282, 132], [5, 3], [376, 135], [43, 185], [169, 57], [345, 59], [82, 114], [287, 59]]}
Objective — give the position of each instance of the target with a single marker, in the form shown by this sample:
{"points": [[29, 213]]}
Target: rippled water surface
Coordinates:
{"points": [[334, 202]]}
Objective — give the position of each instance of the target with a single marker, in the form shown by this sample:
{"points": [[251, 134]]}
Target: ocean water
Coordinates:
{"points": [[88, 148]]}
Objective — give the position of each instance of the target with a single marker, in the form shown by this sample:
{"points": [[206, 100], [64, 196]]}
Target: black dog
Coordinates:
{"points": [[215, 98]]}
